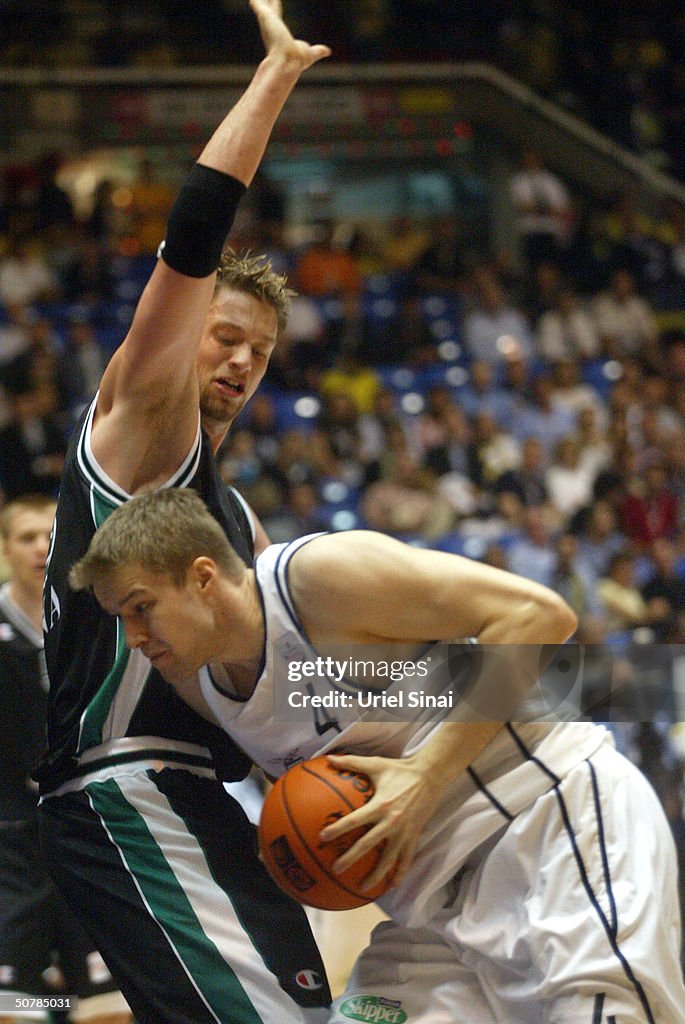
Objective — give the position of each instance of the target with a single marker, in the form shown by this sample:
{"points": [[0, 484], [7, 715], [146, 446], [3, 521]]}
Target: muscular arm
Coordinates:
{"points": [[147, 410], [392, 591]]}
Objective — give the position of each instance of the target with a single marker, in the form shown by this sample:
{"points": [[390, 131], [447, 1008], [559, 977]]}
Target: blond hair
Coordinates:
{"points": [[25, 503], [162, 532], [253, 275]]}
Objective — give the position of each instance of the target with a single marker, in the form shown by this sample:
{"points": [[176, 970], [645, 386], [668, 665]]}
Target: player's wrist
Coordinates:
{"points": [[285, 66]]}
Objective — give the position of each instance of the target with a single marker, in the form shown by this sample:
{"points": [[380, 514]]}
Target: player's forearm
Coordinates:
{"points": [[238, 144], [452, 748]]}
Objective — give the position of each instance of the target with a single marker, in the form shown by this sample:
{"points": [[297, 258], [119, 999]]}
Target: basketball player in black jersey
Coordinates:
{"points": [[138, 830]]}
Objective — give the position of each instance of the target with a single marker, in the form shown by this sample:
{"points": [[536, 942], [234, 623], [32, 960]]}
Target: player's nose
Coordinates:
{"points": [[241, 354], [135, 634]]}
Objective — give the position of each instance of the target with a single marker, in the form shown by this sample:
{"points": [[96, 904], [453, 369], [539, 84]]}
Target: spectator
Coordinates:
{"points": [[351, 377], [569, 482], [32, 447], [664, 590], [374, 425], [572, 393], [53, 205], [541, 417], [325, 269], [624, 607], [494, 330], [624, 320], [25, 277], [491, 452], [528, 482], [566, 331], [532, 555], [15, 332], [543, 210], [440, 268], [573, 579], [301, 356], [151, 199], [595, 449], [261, 419], [87, 278], [649, 511], [597, 525], [483, 394], [80, 366], [406, 501], [407, 240], [300, 515]]}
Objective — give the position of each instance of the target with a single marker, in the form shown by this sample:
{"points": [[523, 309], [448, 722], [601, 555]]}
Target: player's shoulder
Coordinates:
{"points": [[343, 560]]}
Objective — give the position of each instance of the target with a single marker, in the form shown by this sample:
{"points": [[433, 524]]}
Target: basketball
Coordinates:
{"points": [[308, 797]]}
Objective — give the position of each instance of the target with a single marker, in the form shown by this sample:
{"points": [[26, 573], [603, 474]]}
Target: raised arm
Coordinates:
{"points": [[147, 410]]}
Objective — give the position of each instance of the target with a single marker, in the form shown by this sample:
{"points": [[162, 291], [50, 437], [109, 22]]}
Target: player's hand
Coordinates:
{"points": [[403, 801], [278, 39]]}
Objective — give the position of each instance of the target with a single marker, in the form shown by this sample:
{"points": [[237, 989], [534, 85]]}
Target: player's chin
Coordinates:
{"points": [[222, 409]]}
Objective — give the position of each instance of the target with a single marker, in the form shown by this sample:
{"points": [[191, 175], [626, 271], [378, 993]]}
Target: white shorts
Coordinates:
{"points": [[569, 916]]}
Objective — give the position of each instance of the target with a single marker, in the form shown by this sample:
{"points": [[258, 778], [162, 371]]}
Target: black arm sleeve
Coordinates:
{"points": [[200, 220]]}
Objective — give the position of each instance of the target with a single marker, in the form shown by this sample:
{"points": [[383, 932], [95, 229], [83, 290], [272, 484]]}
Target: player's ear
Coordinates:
{"points": [[203, 573]]}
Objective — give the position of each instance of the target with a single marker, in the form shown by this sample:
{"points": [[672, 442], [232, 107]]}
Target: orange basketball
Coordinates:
{"points": [[302, 802]]}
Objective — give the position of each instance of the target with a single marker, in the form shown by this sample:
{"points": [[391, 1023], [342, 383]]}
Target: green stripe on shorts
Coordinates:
{"points": [[211, 975]]}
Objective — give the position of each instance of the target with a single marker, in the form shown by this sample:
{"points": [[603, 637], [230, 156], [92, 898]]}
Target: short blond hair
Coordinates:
{"points": [[255, 276], [24, 503], [162, 532]]}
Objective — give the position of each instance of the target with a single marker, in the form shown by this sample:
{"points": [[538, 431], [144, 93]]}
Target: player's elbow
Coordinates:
{"points": [[560, 620]]}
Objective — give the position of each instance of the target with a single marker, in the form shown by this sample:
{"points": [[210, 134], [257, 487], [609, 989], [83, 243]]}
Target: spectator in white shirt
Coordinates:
{"points": [[543, 208], [567, 331], [494, 331], [25, 278], [569, 480], [624, 320]]}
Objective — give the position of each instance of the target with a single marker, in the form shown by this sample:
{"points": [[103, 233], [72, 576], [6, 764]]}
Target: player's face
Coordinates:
{"points": [[239, 336], [168, 622], [26, 548]]}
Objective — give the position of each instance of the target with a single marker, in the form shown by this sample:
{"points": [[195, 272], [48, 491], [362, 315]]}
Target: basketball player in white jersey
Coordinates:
{"points": [[536, 876]]}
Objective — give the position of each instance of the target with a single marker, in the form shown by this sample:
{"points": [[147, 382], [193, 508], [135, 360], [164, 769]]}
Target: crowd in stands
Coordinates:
{"points": [[527, 409], [618, 65]]}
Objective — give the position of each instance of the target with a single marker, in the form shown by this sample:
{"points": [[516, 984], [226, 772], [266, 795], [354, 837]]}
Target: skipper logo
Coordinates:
{"points": [[375, 1009]]}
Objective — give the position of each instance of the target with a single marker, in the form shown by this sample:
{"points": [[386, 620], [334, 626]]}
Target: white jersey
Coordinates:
{"points": [[521, 763]]}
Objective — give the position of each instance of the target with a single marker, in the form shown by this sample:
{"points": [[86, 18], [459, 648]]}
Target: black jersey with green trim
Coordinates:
{"points": [[99, 689]]}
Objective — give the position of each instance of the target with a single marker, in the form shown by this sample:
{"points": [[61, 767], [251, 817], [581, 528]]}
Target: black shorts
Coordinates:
{"points": [[162, 867], [43, 947]]}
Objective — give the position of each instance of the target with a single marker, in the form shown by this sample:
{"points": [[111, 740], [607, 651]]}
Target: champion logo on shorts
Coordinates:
{"points": [[309, 979], [374, 1009]]}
